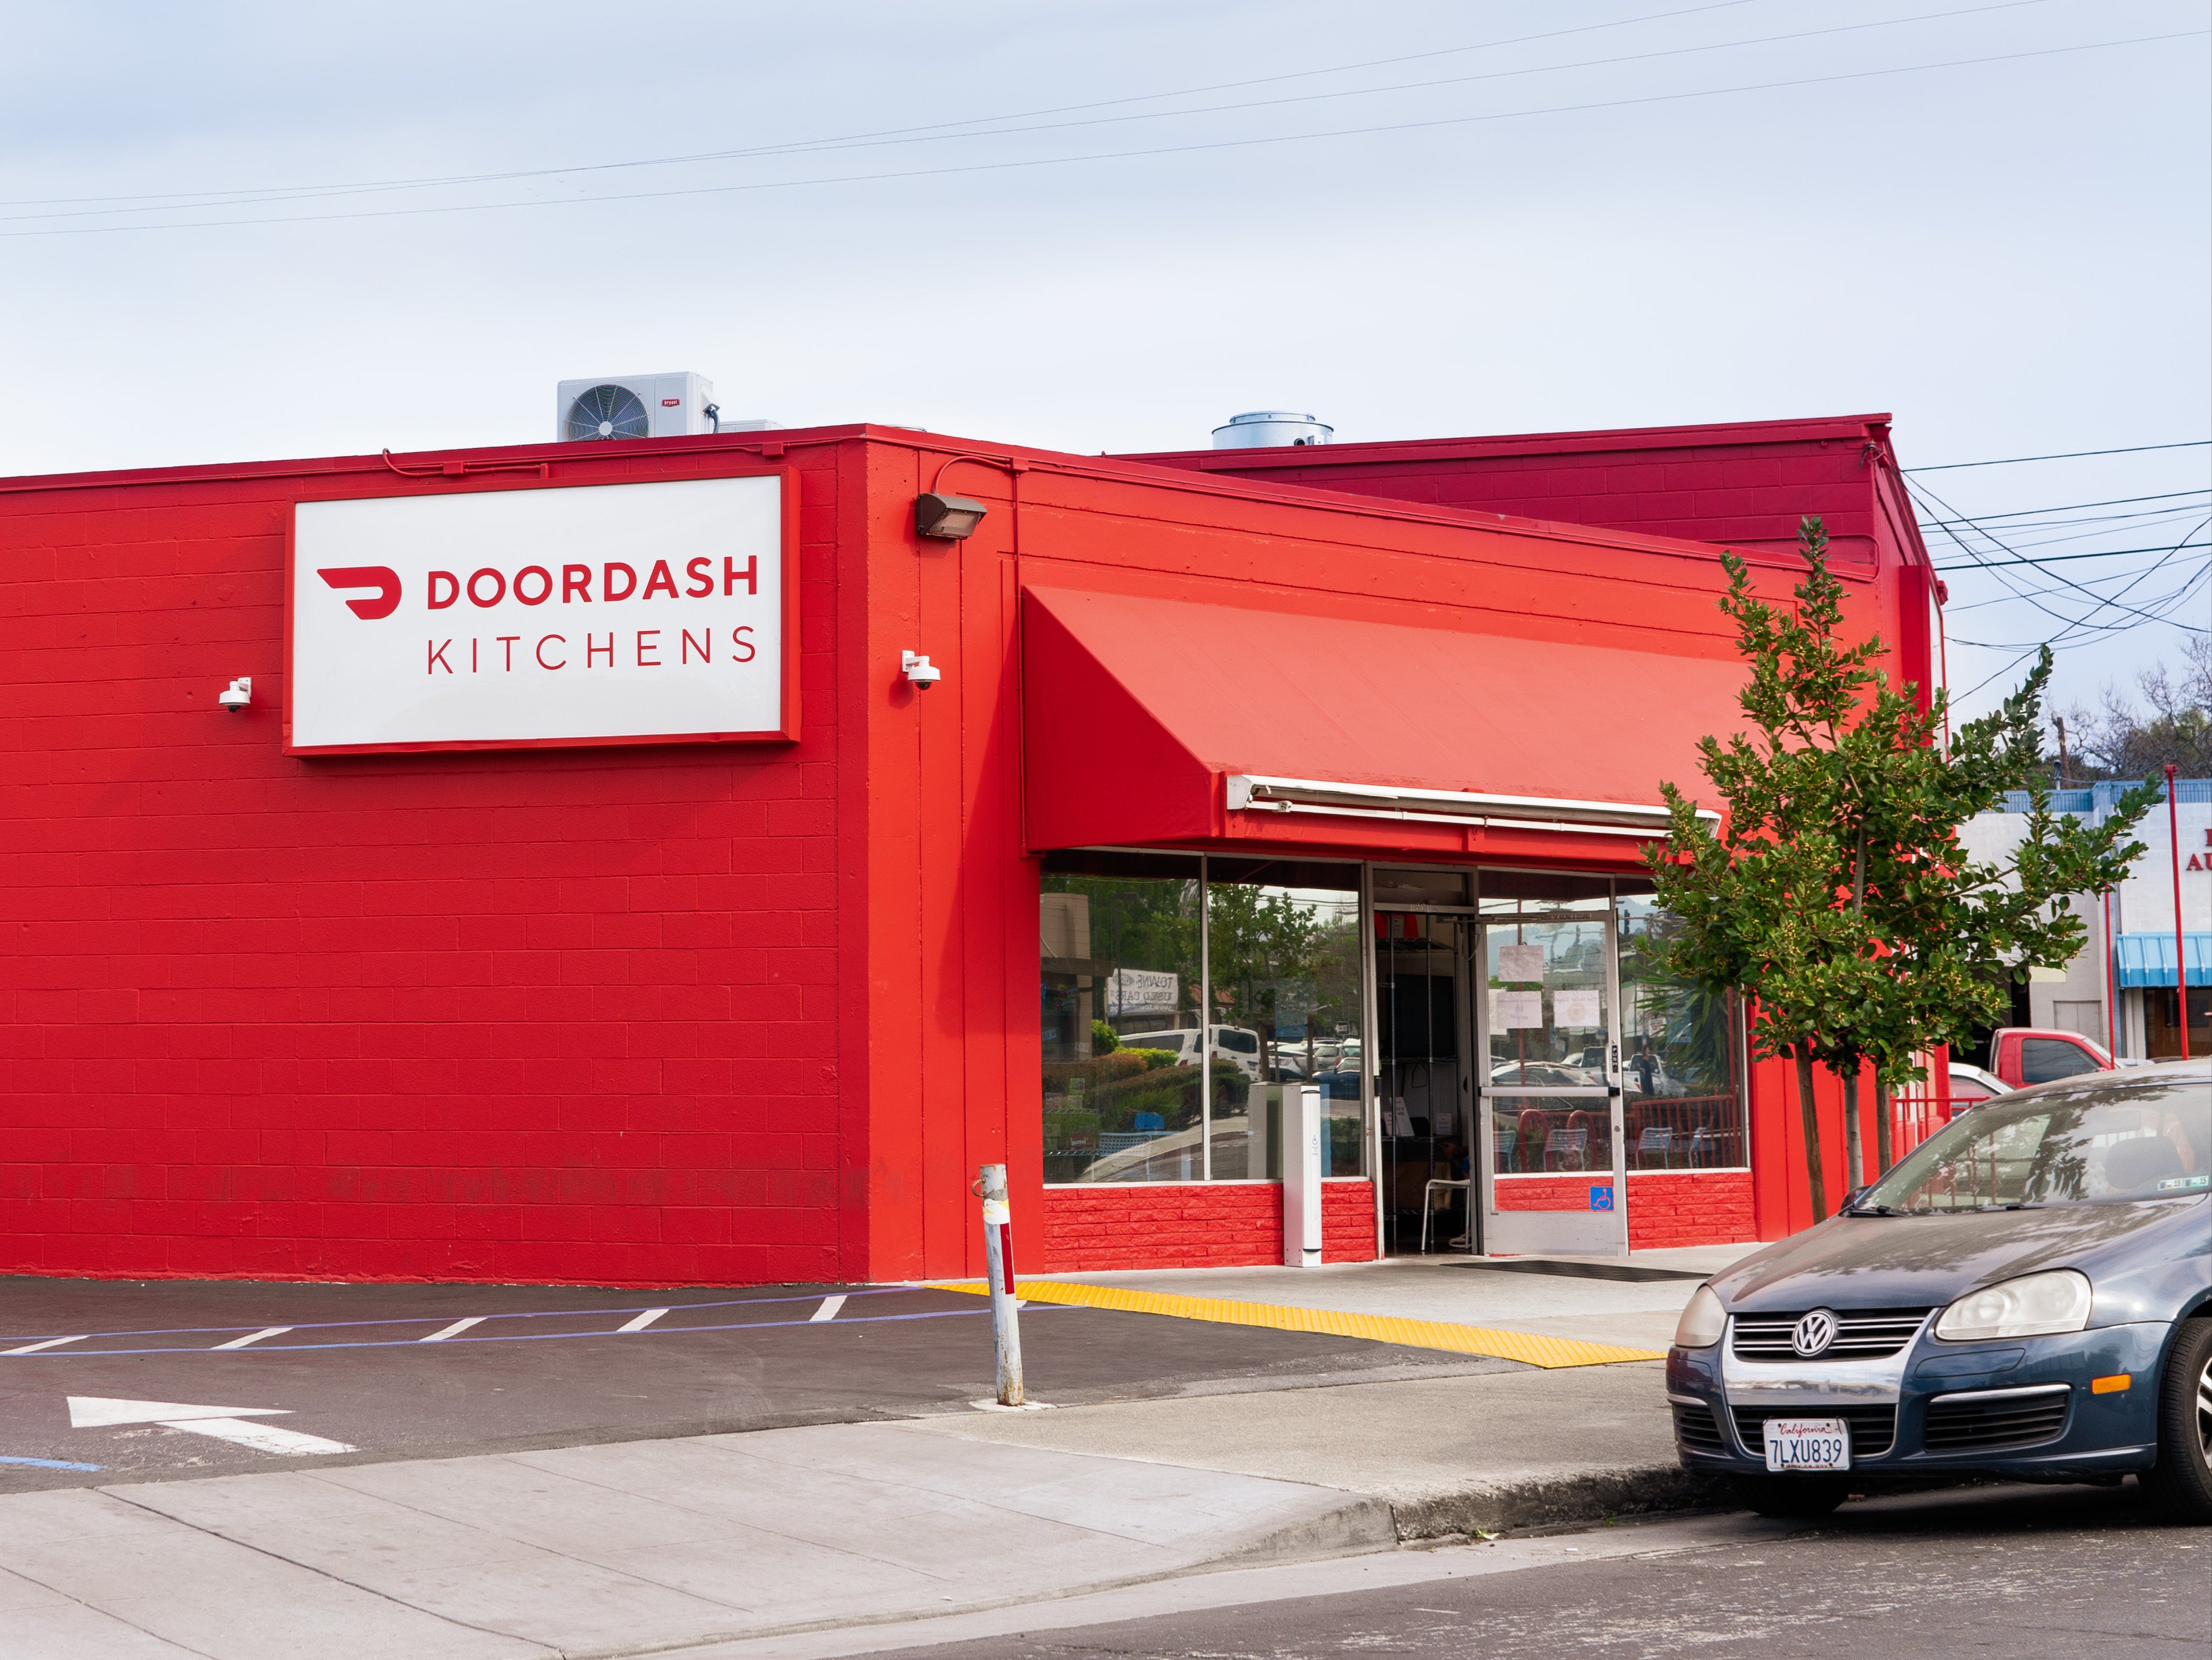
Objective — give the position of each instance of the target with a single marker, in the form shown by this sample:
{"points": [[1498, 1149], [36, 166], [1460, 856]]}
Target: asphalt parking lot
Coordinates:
{"points": [[106, 1381]]}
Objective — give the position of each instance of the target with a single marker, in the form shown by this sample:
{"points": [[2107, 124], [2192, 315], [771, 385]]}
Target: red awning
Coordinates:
{"points": [[1152, 720]]}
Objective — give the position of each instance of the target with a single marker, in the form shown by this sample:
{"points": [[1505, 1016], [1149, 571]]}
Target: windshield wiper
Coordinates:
{"points": [[1879, 1210]]}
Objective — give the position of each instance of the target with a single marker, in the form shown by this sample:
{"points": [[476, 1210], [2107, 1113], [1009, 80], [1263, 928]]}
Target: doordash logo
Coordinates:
{"points": [[570, 615], [382, 578]]}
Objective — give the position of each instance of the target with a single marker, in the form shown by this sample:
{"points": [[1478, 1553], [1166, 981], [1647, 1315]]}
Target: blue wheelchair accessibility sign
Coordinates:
{"points": [[1601, 1198]]}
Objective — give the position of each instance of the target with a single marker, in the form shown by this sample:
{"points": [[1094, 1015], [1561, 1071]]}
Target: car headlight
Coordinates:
{"points": [[1701, 1323], [2030, 1306]]}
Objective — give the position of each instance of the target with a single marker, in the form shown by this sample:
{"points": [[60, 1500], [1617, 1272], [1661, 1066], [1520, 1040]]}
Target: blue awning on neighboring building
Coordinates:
{"points": [[2146, 960]]}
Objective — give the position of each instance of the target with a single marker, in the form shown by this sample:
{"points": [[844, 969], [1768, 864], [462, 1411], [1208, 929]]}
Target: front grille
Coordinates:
{"points": [[1861, 1335], [1698, 1432], [1873, 1428], [1966, 1425]]}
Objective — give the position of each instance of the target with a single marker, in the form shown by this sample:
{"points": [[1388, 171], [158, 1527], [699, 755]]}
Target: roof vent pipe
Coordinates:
{"points": [[1265, 428]]}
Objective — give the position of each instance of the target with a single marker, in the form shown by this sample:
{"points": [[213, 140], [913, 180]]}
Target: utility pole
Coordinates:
{"points": [[2180, 938]]}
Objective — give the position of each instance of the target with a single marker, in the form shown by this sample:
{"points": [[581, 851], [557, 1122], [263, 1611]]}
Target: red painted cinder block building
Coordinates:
{"points": [[592, 888]]}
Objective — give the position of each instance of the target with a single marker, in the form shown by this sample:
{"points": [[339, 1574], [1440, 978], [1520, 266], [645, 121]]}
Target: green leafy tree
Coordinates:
{"points": [[1837, 894]]}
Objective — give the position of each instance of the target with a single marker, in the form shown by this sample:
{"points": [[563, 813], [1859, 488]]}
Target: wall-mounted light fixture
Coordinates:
{"points": [[947, 518], [920, 672], [237, 694]]}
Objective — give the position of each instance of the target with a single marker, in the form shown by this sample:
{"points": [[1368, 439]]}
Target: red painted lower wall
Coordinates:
{"points": [[1200, 1225], [1690, 1207], [1665, 1207]]}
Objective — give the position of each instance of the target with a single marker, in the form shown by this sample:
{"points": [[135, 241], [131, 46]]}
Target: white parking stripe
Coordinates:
{"points": [[827, 1311], [51, 1343], [254, 1337], [642, 1319], [456, 1328]]}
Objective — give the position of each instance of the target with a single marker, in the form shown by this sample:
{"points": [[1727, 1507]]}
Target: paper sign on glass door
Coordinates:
{"points": [[1577, 1011], [1521, 962], [1517, 1011]]}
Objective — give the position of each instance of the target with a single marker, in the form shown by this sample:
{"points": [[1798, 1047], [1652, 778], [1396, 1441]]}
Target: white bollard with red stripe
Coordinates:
{"points": [[999, 1254]]}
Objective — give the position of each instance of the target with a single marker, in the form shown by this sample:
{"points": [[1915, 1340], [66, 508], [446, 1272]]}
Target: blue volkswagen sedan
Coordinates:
{"points": [[2027, 1293]]}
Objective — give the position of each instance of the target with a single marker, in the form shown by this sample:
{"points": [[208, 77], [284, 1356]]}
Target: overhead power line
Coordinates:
{"points": [[2069, 455], [1119, 156], [205, 197], [2076, 507], [2059, 558], [992, 126]]}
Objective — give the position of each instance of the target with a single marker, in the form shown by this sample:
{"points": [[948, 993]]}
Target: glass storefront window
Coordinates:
{"points": [[1682, 1064], [1120, 1005], [1129, 1040], [1284, 954], [1168, 978]]}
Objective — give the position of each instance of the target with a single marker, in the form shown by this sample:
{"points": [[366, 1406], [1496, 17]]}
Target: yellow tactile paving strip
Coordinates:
{"points": [[1525, 1346]]}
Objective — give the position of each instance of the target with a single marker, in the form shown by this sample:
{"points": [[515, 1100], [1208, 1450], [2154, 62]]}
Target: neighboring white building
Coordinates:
{"points": [[2130, 954]]}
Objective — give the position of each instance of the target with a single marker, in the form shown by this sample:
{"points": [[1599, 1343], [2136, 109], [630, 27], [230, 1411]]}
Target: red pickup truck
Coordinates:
{"points": [[2034, 1055]]}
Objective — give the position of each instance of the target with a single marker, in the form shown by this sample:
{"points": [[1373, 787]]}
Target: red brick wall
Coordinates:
{"points": [[534, 1015], [1199, 1225], [1690, 1207], [1744, 485], [1665, 1207], [1548, 1193]]}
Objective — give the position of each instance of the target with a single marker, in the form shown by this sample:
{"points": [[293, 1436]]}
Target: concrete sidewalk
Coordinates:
{"points": [[1494, 1450], [1631, 1303], [639, 1547]]}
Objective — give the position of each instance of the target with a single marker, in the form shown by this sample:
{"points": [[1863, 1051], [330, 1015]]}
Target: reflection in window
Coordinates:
{"points": [[1126, 1049], [1119, 935], [1283, 944], [2150, 1143], [1681, 1064]]}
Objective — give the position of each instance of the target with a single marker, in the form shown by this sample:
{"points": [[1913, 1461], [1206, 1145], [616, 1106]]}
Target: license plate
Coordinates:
{"points": [[1808, 1444]]}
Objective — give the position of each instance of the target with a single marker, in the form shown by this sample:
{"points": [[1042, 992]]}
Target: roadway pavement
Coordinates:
{"points": [[2018, 1572]]}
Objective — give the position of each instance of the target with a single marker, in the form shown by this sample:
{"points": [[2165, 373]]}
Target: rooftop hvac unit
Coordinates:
{"points": [[640, 406], [1264, 428]]}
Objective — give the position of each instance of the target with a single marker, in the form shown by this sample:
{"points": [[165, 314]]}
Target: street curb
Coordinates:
{"points": [[1554, 1501], [1350, 1529]]}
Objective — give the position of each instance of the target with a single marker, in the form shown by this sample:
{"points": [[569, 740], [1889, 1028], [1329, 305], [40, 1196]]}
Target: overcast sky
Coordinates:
{"points": [[1108, 226]]}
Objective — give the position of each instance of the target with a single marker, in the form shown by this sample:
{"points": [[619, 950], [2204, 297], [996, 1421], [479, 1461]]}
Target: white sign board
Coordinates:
{"points": [[1577, 1011], [1517, 1011], [589, 614], [1142, 991], [1521, 962]]}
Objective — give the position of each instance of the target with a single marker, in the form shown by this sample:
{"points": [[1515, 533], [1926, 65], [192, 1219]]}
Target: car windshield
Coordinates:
{"points": [[2108, 1142]]}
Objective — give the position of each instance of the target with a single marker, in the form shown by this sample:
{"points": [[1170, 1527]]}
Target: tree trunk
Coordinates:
{"points": [[1812, 1134], [1854, 1144], [1881, 1123]]}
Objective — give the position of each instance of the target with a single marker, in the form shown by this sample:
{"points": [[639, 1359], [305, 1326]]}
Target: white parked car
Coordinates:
{"points": [[1971, 1085], [1235, 1046]]}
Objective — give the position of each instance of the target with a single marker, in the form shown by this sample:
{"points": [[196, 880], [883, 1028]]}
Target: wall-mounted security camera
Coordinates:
{"points": [[920, 671], [237, 694]]}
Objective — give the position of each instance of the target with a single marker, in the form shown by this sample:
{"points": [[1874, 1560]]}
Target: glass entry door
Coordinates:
{"points": [[1551, 1137], [1424, 1094]]}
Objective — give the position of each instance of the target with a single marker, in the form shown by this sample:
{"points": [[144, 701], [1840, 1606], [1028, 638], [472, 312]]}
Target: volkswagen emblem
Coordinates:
{"points": [[1812, 1333]]}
